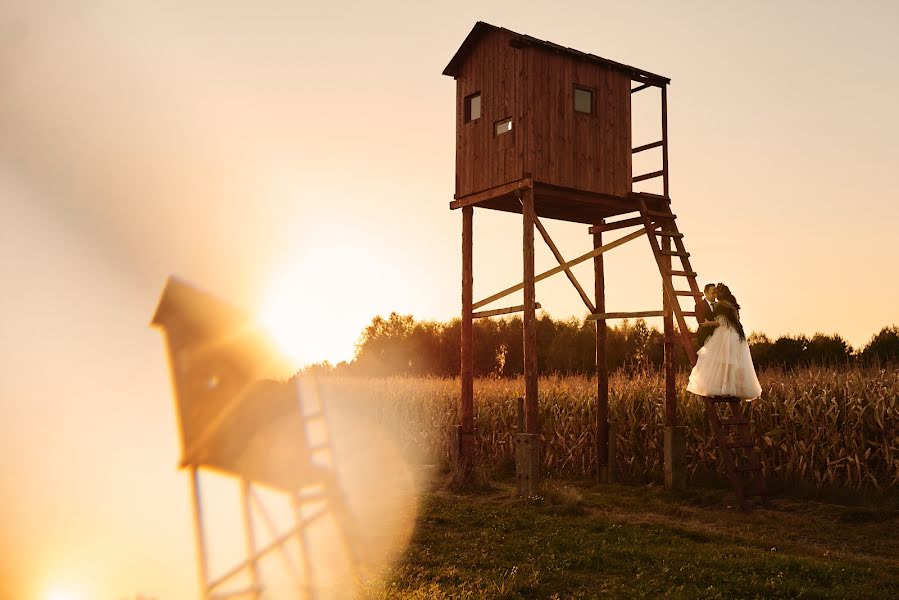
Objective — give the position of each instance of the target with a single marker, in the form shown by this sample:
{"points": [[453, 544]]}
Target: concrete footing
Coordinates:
{"points": [[675, 455], [527, 463]]}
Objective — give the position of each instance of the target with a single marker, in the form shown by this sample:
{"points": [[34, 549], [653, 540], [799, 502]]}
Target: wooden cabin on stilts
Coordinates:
{"points": [[544, 131]]}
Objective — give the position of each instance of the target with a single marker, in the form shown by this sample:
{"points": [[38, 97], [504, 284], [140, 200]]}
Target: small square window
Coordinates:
{"points": [[583, 100], [504, 126], [473, 107]]}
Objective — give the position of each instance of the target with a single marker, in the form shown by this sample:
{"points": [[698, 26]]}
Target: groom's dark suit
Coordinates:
{"points": [[703, 313]]}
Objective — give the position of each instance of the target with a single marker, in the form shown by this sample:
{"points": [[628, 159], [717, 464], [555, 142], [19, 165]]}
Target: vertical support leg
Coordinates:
{"points": [[249, 536], [665, 140], [465, 439], [603, 470], [527, 445], [668, 342], [530, 314], [198, 532], [674, 437]]}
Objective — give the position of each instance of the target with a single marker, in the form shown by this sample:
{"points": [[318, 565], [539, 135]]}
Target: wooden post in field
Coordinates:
{"points": [[668, 343], [527, 445], [465, 439], [197, 503], [603, 471], [530, 315]]}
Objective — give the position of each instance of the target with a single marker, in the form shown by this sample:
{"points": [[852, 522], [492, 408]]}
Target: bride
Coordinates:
{"points": [[723, 364]]}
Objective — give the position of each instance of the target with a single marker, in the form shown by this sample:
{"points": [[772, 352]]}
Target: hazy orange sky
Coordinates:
{"points": [[302, 153]]}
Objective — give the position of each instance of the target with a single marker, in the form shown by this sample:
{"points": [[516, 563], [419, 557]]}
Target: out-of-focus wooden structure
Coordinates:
{"points": [[545, 131], [236, 423]]}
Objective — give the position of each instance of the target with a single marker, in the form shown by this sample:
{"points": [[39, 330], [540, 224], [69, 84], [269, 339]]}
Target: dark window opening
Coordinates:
{"points": [[473, 107], [583, 100]]}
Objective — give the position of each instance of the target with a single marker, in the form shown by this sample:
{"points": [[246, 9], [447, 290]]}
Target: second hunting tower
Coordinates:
{"points": [[544, 131]]}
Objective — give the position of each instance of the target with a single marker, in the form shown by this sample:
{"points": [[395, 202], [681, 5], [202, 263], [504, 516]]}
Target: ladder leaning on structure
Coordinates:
{"points": [[732, 431]]}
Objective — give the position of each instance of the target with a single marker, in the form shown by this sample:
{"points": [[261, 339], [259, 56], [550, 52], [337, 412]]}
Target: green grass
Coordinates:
{"points": [[638, 542]]}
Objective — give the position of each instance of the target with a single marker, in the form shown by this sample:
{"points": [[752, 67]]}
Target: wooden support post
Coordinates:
{"points": [[466, 434], [249, 536], [674, 446], [668, 342], [602, 367], [665, 140], [530, 314], [198, 532]]}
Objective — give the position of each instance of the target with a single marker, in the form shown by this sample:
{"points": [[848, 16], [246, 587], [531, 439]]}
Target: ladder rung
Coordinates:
{"points": [[647, 147], [646, 176], [685, 293], [674, 253], [660, 215], [742, 444], [671, 234], [685, 273], [688, 313]]}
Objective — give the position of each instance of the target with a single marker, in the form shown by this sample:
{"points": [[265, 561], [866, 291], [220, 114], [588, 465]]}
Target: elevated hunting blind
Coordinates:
{"points": [[235, 422], [545, 131]]}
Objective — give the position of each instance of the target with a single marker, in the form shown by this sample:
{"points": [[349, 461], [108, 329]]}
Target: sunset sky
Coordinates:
{"points": [[297, 158]]}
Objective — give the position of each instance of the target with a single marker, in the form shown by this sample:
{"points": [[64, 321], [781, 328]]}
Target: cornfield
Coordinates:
{"points": [[818, 425]]}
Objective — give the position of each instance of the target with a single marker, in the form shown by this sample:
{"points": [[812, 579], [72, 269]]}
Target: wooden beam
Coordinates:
{"points": [[665, 139], [568, 273], [203, 570], [668, 341], [249, 532], [529, 216], [605, 316], [602, 366], [601, 228], [641, 87], [559, 269], [646, 176], [275, 543], [270, 525], [494, 192], [467, 365], [647, 147], [501, 311]]}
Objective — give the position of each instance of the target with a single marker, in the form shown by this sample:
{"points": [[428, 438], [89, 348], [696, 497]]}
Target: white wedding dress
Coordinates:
{"points": [[724, 366]]}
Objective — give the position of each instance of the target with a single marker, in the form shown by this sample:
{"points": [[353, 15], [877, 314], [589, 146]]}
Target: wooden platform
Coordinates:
{"points": [[564, 204]]}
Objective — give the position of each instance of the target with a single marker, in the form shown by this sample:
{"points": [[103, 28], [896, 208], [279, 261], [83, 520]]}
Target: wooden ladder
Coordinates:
{"points": [[732, 431]]}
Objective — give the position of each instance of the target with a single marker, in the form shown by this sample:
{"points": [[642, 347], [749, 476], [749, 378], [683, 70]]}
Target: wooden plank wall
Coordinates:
{"points": [[483, 159], [567, 148], [549, 140]]}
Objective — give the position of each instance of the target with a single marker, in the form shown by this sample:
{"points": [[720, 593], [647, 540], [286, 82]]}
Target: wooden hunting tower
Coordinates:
{"points": [[544, 131], [236, 423]]}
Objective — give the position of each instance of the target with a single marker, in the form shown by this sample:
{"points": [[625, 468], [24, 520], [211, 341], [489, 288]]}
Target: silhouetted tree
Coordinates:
{"points": [[883, 347], [399, 345]]}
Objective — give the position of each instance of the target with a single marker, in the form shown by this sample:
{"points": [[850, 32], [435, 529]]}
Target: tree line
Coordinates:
{"points": [[400, 345]]}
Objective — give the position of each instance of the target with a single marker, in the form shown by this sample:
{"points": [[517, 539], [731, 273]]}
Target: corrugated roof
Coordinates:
{"points": [[481, 28]]}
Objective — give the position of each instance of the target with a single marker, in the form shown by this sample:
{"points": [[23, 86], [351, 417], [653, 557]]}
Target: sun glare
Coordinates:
{"points": [[61, 595], [315, 308]]}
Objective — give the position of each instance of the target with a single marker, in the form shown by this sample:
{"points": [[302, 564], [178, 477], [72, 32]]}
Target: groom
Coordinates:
{"points": [[704, 310]]}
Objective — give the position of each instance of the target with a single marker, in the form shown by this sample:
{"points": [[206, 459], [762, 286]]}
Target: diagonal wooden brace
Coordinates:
{"points": [[560, 268]]}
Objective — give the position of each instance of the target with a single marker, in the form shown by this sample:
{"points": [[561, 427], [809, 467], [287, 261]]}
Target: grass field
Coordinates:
{"points": [[829, 440], [643, 542]]}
